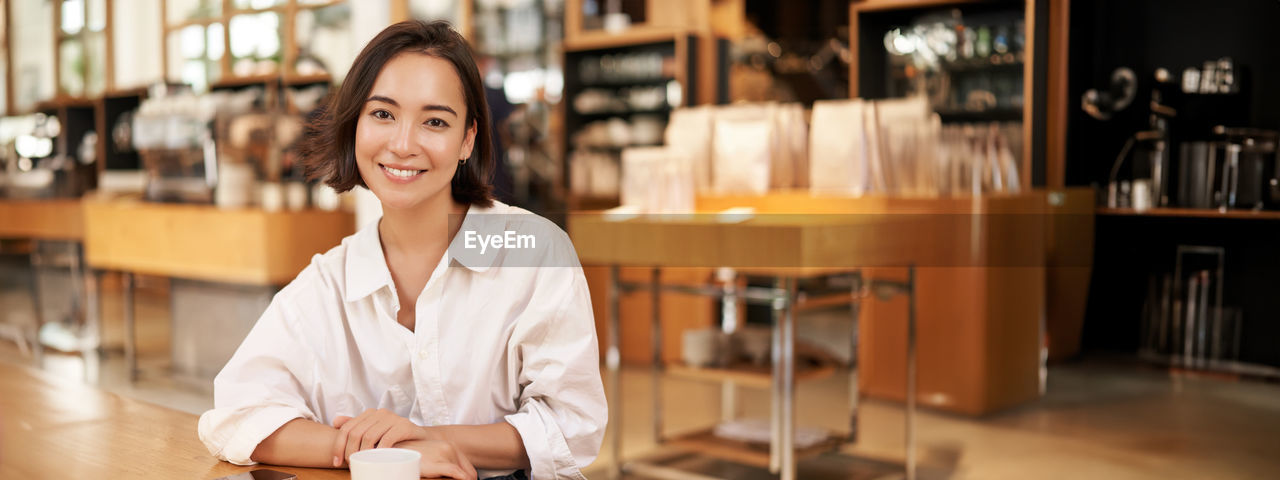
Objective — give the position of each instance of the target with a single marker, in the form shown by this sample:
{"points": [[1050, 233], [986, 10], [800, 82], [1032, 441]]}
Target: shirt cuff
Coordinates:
{"points": [[549, 454], [249, 431]]}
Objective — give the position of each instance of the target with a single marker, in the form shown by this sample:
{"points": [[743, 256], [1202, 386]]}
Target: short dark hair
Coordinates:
{"points": [[327, 151]]}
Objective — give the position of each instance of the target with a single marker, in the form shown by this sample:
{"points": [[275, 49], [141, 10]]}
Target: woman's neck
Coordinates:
{"points": [[422, 230]]}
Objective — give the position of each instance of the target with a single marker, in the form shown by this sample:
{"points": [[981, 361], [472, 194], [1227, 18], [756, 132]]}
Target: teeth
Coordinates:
{"points": [[400, 173]]}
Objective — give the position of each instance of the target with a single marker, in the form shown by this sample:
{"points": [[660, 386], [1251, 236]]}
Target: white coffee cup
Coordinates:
{"points": [[385, 464]]}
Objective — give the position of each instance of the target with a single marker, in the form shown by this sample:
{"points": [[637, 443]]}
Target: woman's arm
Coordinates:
{"points": [[304, 443], [299, 443], [561, 404], [496, 446]]}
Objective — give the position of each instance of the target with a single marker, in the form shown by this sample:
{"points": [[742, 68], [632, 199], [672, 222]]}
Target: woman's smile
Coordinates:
{"points": [[401, 173]]}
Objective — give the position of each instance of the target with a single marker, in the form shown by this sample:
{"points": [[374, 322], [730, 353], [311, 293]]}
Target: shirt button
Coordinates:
{"points": [[422, 354]]}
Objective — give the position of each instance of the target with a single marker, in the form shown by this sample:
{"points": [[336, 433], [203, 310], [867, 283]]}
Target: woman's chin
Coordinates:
{"points": [[395, 203], [399, 200]]}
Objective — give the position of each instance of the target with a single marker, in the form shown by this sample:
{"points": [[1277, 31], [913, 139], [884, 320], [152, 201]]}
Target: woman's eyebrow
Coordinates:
{"points": [[432, 107], [440, 108], [380, 98]]}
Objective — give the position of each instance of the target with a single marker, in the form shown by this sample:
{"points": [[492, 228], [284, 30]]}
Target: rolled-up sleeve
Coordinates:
{"points": [[260, 389], [562, 410]]}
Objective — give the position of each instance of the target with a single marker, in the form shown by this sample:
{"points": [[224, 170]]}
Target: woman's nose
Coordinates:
{"points": [[401, 141]]}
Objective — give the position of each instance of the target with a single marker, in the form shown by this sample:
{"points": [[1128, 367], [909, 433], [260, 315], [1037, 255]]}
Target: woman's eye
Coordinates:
{"points": [[437, 123], [381, 114]]}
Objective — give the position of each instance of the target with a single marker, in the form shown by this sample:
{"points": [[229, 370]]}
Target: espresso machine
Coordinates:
{"points": [[1243, 174], [173, 135], [1151, 175], [1200, 118]]}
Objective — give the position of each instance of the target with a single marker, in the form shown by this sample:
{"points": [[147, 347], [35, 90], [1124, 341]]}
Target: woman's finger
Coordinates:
{"points": [[339, 445], [356, 436], [468, 469], [344, 434], [443, 470], [338, 422], [391, 438], [373, 434]]}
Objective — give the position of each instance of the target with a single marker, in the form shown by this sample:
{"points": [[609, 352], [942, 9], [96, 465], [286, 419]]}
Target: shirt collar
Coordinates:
{"points": [[366, 266]]}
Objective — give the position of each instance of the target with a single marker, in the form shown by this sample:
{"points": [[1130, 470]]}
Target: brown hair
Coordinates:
{"points": [[328, 149]]}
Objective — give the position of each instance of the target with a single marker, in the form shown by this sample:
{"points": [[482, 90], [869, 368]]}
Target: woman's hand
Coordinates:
{"points": [[372, 429], [440, 460]]}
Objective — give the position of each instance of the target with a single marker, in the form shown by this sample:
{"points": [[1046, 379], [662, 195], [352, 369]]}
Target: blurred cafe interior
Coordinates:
{"points": [[936, 239]]}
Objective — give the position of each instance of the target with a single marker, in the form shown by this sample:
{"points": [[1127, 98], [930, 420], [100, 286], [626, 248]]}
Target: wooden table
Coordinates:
{"points": [[786, 247], [54, 428], [991, 242]]}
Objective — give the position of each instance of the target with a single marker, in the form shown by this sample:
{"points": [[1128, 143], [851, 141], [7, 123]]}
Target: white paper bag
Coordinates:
{"points": [[690, 131], [743, 147], [837, 148], [657, 180]]}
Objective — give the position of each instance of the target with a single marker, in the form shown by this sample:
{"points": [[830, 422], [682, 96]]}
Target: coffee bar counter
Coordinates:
{"points": [[201, 242], [41, 219], [223, 265]]}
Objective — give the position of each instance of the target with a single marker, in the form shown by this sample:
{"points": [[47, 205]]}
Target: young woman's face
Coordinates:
{"points": [[412, 132]]}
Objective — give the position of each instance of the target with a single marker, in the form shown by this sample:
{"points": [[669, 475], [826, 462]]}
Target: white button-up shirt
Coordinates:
{"points": [[505, 335]]}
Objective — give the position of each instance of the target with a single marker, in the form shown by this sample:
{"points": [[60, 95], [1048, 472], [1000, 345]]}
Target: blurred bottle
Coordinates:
{"points": [[983, 47]]}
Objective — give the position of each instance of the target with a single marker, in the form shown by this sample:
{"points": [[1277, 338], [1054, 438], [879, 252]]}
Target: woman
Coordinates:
{"points": [[427, 329]]}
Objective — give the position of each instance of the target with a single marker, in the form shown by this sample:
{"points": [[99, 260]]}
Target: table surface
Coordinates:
{"points": [[802, 234], [56, 428], [804, 245]]}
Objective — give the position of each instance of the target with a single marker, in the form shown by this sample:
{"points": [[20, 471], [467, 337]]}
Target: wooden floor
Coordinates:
{"points": [[1100, 419]]}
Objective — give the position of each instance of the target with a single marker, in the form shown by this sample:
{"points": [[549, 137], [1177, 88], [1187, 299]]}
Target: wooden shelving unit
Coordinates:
{"points": [[867, 16], [598, 40], [677, 47]]}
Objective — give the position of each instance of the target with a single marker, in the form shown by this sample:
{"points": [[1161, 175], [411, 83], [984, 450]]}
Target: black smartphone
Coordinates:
{"points": [[261, 474]]}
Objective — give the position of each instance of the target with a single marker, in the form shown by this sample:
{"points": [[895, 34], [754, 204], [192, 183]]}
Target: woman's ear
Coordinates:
{"points": [[468, 141]]}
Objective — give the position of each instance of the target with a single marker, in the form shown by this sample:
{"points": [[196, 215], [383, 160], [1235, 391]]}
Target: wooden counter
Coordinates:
{"points": [[44, 219], [980, 279], [201, 242], [52, 428]]}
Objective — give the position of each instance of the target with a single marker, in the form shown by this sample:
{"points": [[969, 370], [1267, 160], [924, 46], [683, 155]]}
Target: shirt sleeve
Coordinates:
{"points": [[260, 389], [562, 409]]}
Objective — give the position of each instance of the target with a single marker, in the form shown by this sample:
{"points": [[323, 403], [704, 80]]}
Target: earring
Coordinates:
{"points": [[462, 161]]}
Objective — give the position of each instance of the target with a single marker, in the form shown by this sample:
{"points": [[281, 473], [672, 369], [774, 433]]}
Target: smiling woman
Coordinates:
{"points": [[486, 369]]}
